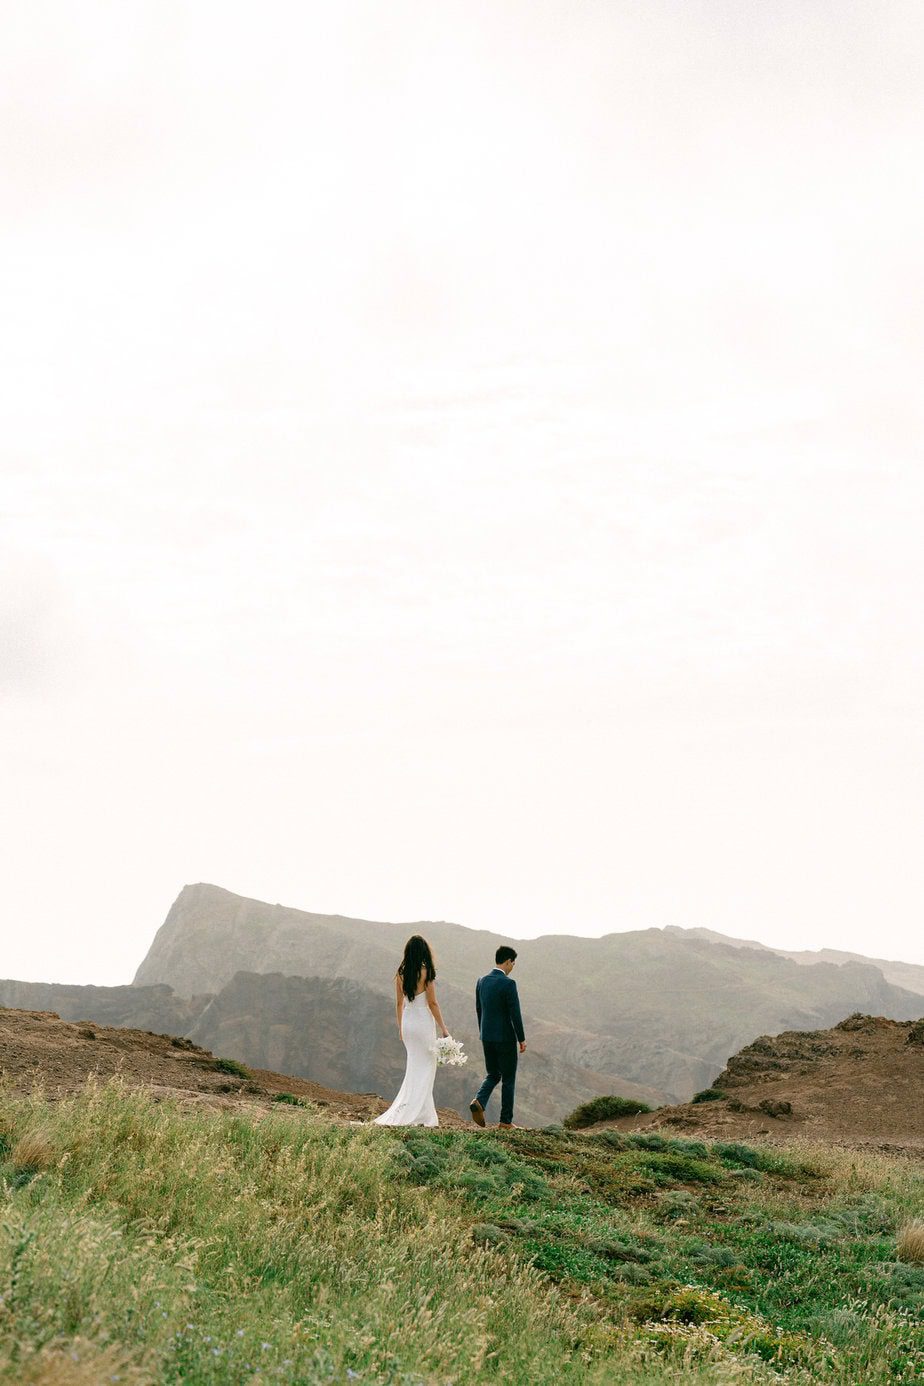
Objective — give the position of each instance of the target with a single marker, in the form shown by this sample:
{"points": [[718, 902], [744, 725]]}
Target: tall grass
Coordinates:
{"points": [[910, 1245], [160, 1243]]}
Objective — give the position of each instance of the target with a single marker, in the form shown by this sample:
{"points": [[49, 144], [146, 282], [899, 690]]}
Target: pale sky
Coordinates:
{"points": [[462, 461]]}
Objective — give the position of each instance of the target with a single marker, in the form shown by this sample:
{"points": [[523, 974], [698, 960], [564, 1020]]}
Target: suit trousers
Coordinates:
{"points": [[500, 1061]]}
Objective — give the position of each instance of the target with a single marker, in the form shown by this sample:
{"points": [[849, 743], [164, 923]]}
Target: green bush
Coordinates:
{"points": [[710, 1095], [615, 1140], [233, 1067], [604, 1109], [734, 1153], [668, 1167], [650, 1140]]}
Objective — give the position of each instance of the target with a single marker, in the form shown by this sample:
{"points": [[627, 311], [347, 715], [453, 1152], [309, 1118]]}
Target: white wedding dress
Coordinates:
{"points": [[414, 1104]]}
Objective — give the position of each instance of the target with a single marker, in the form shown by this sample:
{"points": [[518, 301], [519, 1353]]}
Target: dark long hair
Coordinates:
{"points": [[417, 958]]}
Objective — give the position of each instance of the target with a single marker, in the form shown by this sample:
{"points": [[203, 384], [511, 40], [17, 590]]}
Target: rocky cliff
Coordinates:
{"points": [[156, 1008]]}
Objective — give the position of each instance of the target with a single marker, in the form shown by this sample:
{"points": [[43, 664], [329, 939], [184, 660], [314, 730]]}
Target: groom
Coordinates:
{"points": [[497, 1005]]}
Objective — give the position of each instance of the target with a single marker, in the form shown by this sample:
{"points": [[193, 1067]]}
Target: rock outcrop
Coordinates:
{"points": [[859, 1082]]}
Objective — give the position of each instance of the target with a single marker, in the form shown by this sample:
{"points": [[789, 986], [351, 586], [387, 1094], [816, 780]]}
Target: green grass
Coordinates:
{"points": [[709, 1095], [151, 1242], [782, 1256], [604, 1109]]}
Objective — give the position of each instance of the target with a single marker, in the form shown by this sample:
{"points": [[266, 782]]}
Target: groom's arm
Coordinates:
{"points": [[516, 1018], [478, 1002]]}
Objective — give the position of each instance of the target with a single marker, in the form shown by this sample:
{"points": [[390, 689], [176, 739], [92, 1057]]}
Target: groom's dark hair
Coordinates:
{"points": [[505, 954]]}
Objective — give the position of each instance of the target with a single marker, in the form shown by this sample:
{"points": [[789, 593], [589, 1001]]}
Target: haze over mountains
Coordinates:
{"points": [[902, 974], [654, 1013]]}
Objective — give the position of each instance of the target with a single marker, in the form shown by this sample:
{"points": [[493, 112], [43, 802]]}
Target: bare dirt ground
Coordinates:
{"points": [[38, 1050], [858, 1084]]}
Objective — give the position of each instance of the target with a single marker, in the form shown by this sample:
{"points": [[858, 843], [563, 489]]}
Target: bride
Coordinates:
{"points": [[418, 1015]]}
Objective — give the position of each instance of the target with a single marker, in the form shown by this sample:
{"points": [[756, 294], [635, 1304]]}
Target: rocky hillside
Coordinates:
{"points": [[660, 1009], [860, 1082], [39, 1049]]}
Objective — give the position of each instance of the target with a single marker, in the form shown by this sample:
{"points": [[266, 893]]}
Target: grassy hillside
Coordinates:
{"points": [[156, 1242]]}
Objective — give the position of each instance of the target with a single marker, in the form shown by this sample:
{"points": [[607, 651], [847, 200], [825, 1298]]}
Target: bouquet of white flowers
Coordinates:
{"points": [[450, 1051]]}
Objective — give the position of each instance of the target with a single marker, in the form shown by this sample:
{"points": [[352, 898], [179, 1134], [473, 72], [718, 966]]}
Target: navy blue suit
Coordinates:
{"points": [[500, 1025]]}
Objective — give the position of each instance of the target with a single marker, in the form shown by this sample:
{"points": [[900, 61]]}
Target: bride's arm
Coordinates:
{"points": [[435, 1007], [399, 1004]]}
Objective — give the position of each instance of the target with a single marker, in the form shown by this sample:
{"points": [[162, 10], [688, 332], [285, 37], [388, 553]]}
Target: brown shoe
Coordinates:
{"points": [[477, 1112]]}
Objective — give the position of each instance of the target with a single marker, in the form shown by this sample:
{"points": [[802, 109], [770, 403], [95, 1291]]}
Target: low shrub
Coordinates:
{"points": [[798, 1234], [487, 1234], [767, 1159], [649, 1140], [604, 1109], [624, 1248], [615, 1140], [695, 1148], [856, 1021], [671, 1167], [734, 1153], [232, 1066], [710, 1095], [676, 1204]]}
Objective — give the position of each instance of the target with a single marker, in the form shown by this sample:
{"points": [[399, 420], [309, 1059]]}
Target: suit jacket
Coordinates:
{"points": [[497, 1005]]}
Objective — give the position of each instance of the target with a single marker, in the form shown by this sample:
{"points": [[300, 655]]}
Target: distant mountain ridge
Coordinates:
{"points": [[659, 1009], [156, 1008], [910, 976]]}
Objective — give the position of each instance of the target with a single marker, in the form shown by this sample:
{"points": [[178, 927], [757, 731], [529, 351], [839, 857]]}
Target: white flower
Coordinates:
{"points": [[450, 1052]]}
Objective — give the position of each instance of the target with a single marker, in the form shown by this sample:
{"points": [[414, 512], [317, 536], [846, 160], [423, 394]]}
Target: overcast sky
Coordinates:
{"points": [[462, 461]]}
